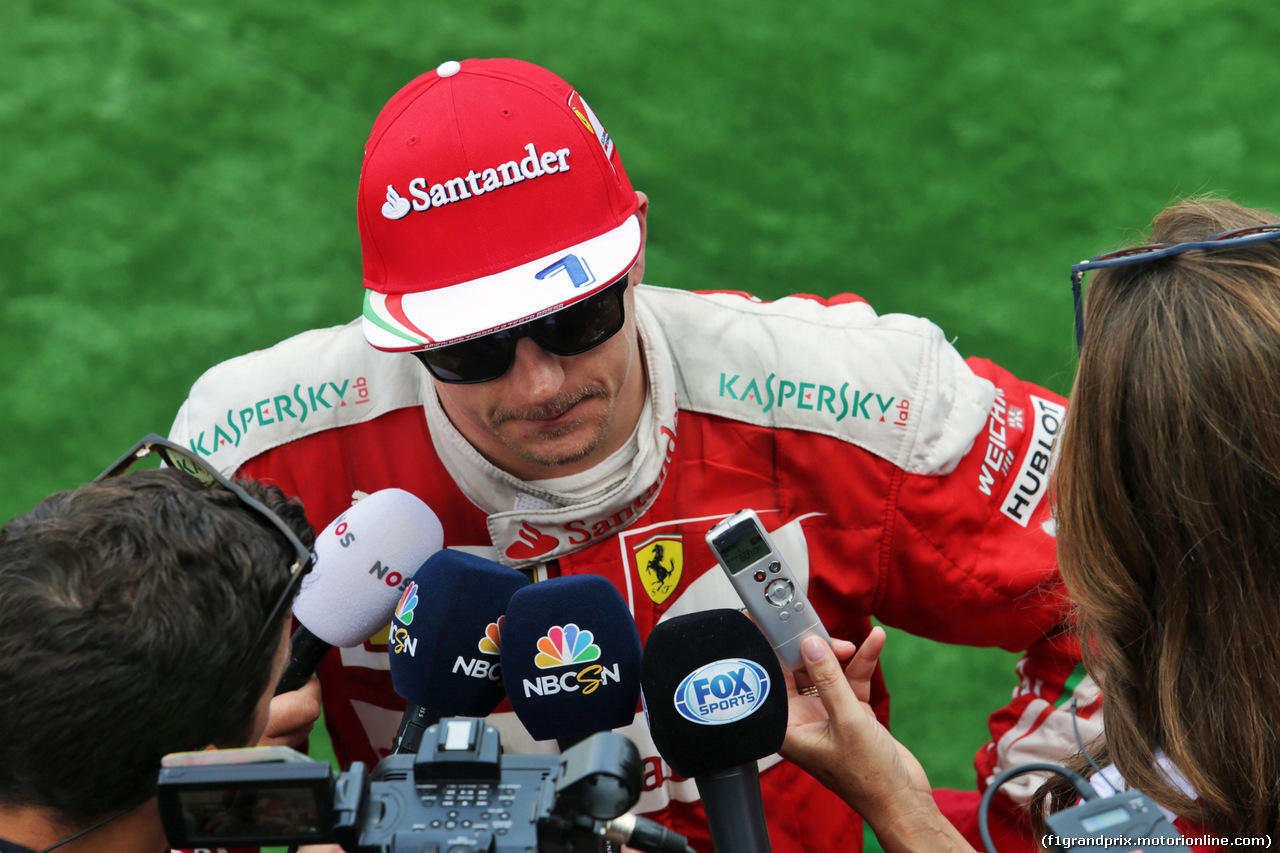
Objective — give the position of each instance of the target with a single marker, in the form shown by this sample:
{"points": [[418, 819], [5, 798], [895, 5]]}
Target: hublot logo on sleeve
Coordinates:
{"points": [[1032, 482]]}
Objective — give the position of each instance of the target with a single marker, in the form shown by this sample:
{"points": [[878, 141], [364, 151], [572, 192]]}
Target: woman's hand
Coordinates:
{"points": [[836, 737]]}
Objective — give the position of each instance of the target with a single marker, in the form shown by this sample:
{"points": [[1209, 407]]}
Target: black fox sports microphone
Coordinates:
{"points": [[571, 658], [445, 636], [364, 558], [716, 703]]}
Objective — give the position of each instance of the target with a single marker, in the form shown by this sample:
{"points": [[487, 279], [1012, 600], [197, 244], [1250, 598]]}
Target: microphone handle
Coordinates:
{"points": [[735, 809], [306, 650], [415, 721]]}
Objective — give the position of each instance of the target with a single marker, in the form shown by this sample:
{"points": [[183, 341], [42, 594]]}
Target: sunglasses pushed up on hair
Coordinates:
{"points": [[1156, 251], [573, 330], [188, 461]]}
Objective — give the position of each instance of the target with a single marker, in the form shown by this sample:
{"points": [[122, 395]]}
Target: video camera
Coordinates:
{"points": [[459, 794]]}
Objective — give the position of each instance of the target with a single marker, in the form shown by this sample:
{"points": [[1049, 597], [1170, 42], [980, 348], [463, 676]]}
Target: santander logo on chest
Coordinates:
{"points": [[546, 536]]}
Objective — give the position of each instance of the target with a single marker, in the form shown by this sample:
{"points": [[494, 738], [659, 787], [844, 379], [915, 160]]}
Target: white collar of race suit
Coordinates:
{"points": [[531, 523]]}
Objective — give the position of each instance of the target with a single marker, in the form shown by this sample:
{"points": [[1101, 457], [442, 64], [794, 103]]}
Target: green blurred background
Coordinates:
{"points": [[178, 182]]}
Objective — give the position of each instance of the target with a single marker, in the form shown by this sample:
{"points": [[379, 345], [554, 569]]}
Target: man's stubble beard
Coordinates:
{"points": [[550, 410]]}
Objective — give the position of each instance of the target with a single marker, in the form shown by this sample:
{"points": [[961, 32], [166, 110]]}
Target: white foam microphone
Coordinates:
{"points": [[364, 560]]}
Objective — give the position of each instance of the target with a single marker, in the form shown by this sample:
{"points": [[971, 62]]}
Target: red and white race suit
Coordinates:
{"points": [[899, 480]]}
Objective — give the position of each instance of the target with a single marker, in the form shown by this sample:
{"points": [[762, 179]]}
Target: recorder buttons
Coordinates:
{"points": [[779, 592], [775, 567], [759, 576]]}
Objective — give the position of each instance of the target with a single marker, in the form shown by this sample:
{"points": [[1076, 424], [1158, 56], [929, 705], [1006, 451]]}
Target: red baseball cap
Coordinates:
{"points": [[490, 194]]}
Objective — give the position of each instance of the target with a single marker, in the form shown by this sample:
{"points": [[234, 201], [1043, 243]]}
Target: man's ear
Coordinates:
{"points": [[642, 215]]}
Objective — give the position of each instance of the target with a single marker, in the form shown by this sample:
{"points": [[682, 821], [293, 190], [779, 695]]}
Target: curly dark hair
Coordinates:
{"points": [[127, 608]]}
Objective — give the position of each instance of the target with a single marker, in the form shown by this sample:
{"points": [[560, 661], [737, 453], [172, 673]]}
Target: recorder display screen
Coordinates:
{"points": [[741, 546]]}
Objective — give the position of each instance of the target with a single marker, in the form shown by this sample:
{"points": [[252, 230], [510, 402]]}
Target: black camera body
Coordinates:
{"points": [[459, 794]]}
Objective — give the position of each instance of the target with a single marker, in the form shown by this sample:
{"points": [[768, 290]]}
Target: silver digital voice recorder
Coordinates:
{"points": [[766, 585]]}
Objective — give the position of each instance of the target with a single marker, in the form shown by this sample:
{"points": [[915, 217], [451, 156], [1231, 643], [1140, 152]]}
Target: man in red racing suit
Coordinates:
{"points": [[899, 480]]}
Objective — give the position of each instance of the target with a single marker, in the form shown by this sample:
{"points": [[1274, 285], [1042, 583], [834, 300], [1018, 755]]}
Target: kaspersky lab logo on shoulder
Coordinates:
{"points": [[564, 646], [298, 405], [823, 400]]}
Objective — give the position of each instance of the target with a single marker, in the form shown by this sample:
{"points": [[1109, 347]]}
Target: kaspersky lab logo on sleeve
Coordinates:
{"points": [[831, 401], [565, 646], [298, 404]]}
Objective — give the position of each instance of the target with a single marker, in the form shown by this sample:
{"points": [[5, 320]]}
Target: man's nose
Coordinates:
{"points": [[537, 374]]}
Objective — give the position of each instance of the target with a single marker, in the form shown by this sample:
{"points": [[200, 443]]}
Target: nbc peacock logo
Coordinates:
{"points": [[569, 645], [565, 645], [408, 601], [491, 642]]}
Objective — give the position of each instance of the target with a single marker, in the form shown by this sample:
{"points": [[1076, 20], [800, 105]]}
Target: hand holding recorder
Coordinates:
{"points": [[885, 784]]}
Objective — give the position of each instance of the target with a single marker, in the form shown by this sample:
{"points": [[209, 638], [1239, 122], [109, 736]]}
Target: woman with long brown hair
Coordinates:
{"points": [[1167, 492]]}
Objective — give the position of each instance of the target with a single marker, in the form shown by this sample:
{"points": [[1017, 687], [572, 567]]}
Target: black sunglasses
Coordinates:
{"points": [[1156, 251], [179, 457], [573, 330]]}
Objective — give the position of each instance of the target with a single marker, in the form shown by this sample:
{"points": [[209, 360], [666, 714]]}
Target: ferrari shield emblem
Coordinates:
{"points": [[659, 561]]}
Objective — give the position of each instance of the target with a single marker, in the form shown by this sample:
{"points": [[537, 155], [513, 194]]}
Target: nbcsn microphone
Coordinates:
{"points": [[716, 703], [445, 636], [571, 658], [363, 560], [571, 664]]}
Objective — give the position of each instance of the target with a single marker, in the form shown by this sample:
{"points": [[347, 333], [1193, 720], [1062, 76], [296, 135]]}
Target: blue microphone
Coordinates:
{"points": [[445, 641], [571, 658]]}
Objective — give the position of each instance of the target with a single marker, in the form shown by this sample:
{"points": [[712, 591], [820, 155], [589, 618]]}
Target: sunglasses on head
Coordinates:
{"points": [[573, 330], [188, 461], [1156, 251]]}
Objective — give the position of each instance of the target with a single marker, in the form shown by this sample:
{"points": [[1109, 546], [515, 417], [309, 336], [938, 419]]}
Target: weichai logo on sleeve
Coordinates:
{"points": [[567, 646], [1031, 483]]}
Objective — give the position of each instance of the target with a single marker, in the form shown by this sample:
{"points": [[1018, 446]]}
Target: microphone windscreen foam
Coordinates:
{"points": [[445, 634], [713, 692], [571, 658], [364, 558]]}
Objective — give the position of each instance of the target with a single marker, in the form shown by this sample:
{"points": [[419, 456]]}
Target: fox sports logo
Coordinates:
{"points": [[721, 692]]}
